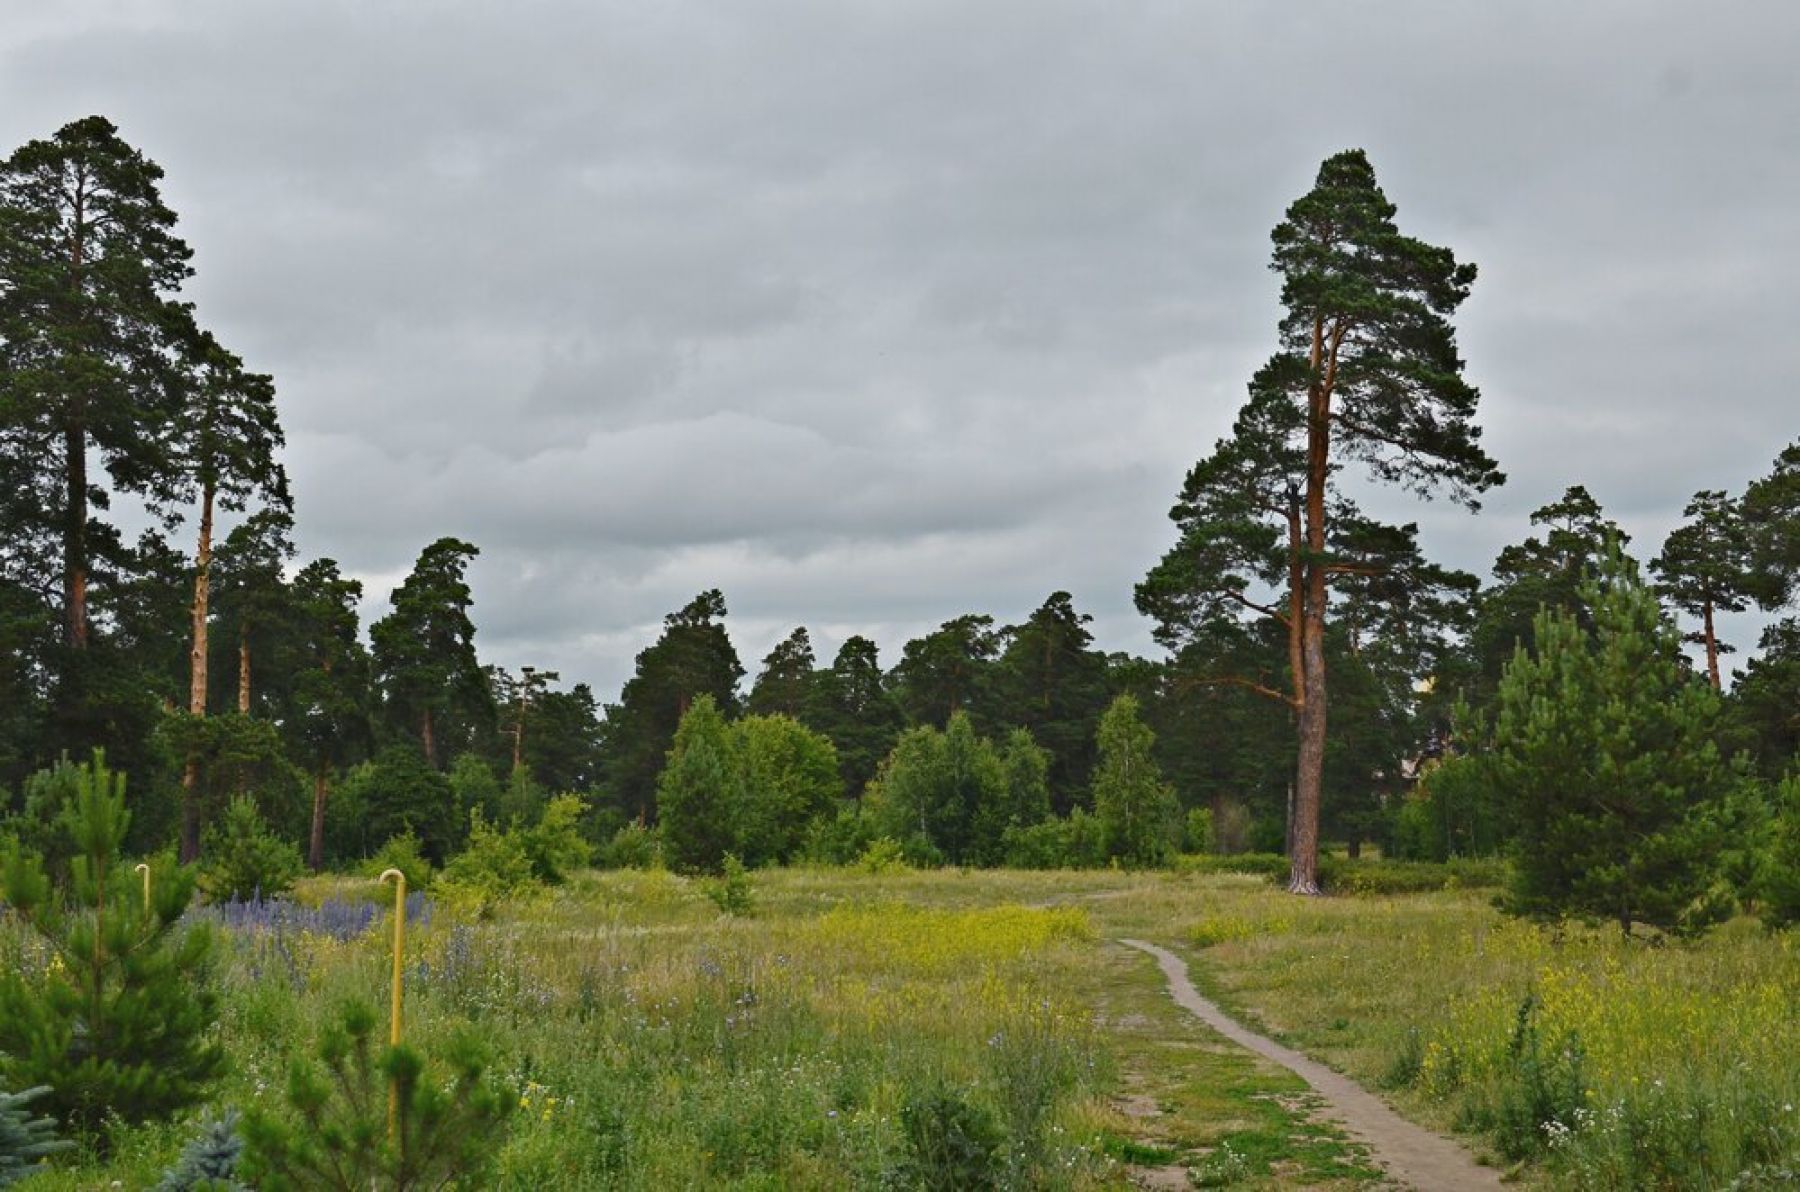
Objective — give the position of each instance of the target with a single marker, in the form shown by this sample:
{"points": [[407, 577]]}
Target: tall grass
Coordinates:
{"points": [[1607, 1062]]}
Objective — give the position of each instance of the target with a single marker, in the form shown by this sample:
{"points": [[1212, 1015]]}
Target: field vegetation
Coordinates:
{"points": [[977, 1028]]}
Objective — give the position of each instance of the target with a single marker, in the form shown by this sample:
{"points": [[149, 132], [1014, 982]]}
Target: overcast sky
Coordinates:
{"points": [[872, 314]]}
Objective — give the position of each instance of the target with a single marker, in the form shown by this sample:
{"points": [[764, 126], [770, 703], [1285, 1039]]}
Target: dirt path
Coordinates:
{"points": [[1409, 1153]]}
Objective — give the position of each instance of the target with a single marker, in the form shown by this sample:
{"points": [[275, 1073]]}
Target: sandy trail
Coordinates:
{"points": [[1408, 1152]]}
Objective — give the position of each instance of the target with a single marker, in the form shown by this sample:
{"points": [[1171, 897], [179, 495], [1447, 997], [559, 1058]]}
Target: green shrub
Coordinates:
{"points": [[883, 856], [839, 838], [1780, 885], [1343, 876], [243, 859], [25, 1141], [1197, 832], [731, 892], [633, 847], [209, 1162], [1071, 843], [555, 843], [952, 1142], [120, 1027], [494, 868], [335, 1134], [405, 853], [1412, 832]]}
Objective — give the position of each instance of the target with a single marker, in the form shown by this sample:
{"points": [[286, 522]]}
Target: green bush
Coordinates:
{"points": [[25, 1141], [1197, 831], [243, 859], [335, 1134], [555, 844], [405, 853], [839, 838], [494, 868], [1057, 843], [209, 1162], [121, 1027], [731, 892], [953, 1143], [398, 793], [633, 847], [1368, 876], [1780, 884], [883, 856]]}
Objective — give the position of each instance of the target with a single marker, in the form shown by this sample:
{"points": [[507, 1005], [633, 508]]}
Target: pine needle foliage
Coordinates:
{"points": [[1604, 750], [335, 1135], [116, 1024]]}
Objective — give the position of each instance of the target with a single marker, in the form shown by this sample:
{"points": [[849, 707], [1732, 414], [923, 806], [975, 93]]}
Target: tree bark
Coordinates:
{"points": [[190, 772], [75, 562], [429, 739], [1712, 647], [190, 810], [244, 669], [202, 596], [1309, 777], [315, 851]]}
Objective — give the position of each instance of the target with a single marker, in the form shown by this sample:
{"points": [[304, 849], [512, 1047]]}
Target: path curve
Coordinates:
{"points": [[1409, 1152]]}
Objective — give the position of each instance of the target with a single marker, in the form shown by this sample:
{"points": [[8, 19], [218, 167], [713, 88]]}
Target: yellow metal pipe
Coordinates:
{"points": [[394, 1009]]}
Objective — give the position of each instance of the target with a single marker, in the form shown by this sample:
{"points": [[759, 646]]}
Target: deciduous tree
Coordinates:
{"points": [[1136, 808]]}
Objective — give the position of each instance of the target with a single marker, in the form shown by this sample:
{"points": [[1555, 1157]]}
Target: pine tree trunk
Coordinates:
{"points": [[190, 772], [1309, 777], [190, 810], [202, 595], [315, 851], [1712, 648], [244, 669], [75, 563], [429, 739]]}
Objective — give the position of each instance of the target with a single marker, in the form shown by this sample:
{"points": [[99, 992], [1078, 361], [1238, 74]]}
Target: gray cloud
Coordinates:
{"points": [[872, 314]]}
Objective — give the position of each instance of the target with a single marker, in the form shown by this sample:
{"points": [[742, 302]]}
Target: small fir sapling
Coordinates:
{"points": [[209, 1162], [25, 1141]]}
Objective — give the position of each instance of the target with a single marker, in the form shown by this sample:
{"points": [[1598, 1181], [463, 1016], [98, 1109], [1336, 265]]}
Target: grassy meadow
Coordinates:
{"points": [[838, 1034]]}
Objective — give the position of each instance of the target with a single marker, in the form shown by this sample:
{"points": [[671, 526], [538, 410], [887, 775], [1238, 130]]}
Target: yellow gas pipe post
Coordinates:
{"points": [[394, 1012], [145, 870]]}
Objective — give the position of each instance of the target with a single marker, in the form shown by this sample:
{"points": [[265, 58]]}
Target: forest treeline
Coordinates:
{"points": [[1322, 678]]}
